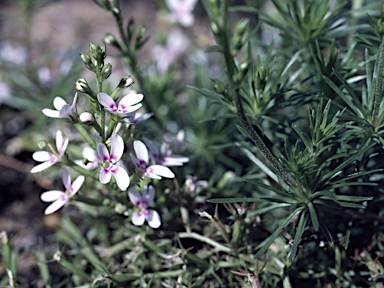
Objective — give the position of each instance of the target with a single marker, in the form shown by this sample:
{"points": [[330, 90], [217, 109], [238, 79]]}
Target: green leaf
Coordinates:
{"points": [[313, 214], [299, 232], [268, 242]]}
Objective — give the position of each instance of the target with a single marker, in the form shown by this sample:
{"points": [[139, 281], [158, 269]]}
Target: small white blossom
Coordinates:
{"points": [[49, 158], [125, 106], [142, 163], [108, 160], [142, 203], [166, 157], [60, 198], [63, 110], [181, 11]]}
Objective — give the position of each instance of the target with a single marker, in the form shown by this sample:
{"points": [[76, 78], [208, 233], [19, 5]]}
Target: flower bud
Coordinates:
{"points": [[107, 70], [125, 82], [219, 86], [87, 61], [120, 208], [42, 144], [82, 85], [86, 117]]}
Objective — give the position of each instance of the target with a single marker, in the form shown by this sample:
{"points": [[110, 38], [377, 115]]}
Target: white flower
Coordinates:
{"points": [[177, 44], [125, 105], [59, 198], [107, 161], [48, 158], [142, 161], [181, 11], [142, 202], [63, 110]]}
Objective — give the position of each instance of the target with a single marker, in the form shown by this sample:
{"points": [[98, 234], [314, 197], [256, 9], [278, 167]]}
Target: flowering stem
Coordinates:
{"points": [[379, 84], [235, 93], [85, 135], [89, 201]]}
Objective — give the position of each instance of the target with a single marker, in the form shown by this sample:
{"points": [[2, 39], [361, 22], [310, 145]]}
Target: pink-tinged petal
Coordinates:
{"points": [[131, 99], [162, 171], [134, 160], [140, 150], [41, 156], [153, 219], [55, 206], [74, 102], [103, 152], [77, 184], [121, 176], [58, 103], [51, 113], [59, 140], [138, 218], [65, 111], [42, 167], [174, 160], [150, 174], [131, 109], [117, 147], [186, 20], [63, 148], [106, 101], [50, 196], [149, 194], [105, 176], [66, 179], [134, 196]]}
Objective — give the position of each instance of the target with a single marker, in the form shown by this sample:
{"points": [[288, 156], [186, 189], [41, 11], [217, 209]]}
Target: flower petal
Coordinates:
{"points": [[106, 101], [149, 194], [138, 219], [140, 150], [134, 196], [41, 156], [162, 171], [58, 102], [55, 206], [153, 219], [66, 178], [77, 184], [51, 113], [65, 111], [42, 166], [117, 147], [50, 196], [103, 152], [59, 140], [121, 176], [131, 99], [105, 175]]}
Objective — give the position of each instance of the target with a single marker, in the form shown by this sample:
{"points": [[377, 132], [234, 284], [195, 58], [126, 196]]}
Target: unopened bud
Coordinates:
{"points": [[82, 85], [86, 117], [107, 70], [111, 40], [57, 256], [125, 82], [120, 208], [42, 144], [87, 61]]}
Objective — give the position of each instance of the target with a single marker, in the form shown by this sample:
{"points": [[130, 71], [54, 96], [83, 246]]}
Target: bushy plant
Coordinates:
{"points": [[255, 159]]}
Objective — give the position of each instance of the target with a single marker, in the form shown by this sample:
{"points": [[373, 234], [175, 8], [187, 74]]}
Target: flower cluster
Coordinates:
{"points": [[107, 154]]}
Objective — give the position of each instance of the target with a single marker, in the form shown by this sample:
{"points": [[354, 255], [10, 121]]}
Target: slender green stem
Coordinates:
{"points": [[235, 91], [85, 135], [204, 239], [379, 84]]}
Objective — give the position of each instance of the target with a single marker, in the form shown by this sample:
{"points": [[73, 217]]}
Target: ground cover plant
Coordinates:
{"points": [[243, 149]]}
